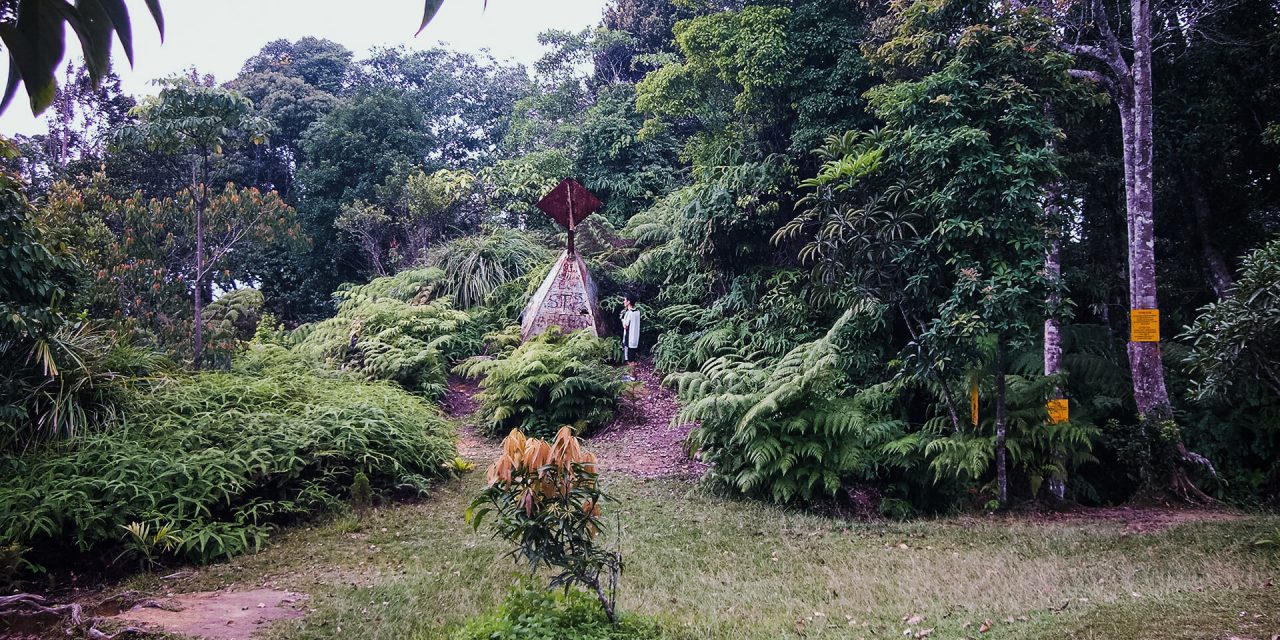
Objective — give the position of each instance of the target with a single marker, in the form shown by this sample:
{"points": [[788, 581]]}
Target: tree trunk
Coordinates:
{"points": [[1002, 427], [1215, 266], [1052, 320], [1145, 365], [200, 195], [198, 351], [605, 602]]}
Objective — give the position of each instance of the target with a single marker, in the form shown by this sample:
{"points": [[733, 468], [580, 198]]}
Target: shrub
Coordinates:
{"points": [[474, 266], [546, 500], [220, 458], [551, 380], [390, 330], [67, 383], [532, 613], [1235, 340], [790, 429], [361, 494]]}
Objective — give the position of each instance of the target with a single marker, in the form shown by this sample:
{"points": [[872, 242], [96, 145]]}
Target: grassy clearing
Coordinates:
{"points": [[709, 567]]}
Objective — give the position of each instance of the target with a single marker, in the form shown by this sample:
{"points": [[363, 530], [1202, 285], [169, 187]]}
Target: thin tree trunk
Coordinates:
{"points": [[1215, 266], [198, 351], [199, 287], [1052, 319], [1002, 427], [605, 602], [1149, 391]]}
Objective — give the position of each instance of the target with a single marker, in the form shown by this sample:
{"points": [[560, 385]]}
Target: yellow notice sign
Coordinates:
{"points": [[1059, 410], [973, 405], [1144, 325]]}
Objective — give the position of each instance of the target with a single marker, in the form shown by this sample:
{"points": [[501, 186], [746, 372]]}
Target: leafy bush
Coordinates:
{"points": [[219, 458], [1232, 376], [546, 500], [390, 329], [1235, 340], [790, 429], [551, 380], [532, 613]]}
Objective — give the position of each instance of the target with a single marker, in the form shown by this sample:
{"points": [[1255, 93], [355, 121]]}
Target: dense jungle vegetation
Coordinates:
{"points": [[872, 243]]}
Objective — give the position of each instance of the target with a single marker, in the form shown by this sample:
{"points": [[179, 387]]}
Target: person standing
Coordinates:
{"points": [[630, 328]]}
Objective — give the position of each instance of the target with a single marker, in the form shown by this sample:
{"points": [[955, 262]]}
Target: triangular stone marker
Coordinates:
{"points": [[567, 297]]}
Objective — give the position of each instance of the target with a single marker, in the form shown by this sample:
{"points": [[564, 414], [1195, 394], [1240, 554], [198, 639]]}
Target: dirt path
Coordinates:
{"points": [[1137, 519], [639, 442]]}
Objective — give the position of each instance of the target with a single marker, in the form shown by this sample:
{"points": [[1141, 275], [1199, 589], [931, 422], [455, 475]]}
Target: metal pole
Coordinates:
{"points": [[569, 191]]}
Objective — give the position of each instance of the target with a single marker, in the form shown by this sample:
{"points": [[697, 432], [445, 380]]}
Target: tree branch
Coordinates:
{"points": [[1098, 77]]}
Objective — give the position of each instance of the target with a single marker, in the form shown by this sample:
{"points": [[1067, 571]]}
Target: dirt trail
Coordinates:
{"points": [[639, 442]]}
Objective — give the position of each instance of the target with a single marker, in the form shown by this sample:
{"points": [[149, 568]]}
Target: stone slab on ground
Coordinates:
{"points": [[217, 615]]}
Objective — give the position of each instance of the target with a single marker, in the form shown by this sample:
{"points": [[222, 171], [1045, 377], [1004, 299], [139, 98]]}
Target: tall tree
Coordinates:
{"points": [[1129, 83], [323, 64], [198, 121], [940, 212]]}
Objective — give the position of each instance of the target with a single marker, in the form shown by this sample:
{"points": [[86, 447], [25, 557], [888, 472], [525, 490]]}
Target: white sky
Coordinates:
{"points": [[217, 37]]}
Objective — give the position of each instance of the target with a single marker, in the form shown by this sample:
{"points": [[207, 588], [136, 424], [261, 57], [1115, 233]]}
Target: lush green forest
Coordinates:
{"points": [[893, 258]]}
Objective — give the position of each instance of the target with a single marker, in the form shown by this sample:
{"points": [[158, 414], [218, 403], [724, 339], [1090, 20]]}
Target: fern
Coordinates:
{"points": [[550, 381], [391, 329], [786, 429]]}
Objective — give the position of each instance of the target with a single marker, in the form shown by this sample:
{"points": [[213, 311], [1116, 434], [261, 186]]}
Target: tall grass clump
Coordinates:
{"points": [[67, 383], [474, 266], [217, 460], [551, 380]]}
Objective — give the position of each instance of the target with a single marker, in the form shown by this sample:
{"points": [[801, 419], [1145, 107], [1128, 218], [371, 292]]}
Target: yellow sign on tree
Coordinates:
{"points": [[1059, 410], [1144, 325], [973, 405]]}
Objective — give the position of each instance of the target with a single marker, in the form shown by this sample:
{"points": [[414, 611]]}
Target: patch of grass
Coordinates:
{"points": [[702, 566]]}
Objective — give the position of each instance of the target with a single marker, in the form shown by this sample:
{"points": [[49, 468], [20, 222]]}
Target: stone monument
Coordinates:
{"points": [[567, 297]]}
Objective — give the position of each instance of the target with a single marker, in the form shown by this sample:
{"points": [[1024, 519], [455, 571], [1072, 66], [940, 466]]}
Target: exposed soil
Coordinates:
{"points": [[1137, 519], [460, 402], [216, 615], [640, 441]]}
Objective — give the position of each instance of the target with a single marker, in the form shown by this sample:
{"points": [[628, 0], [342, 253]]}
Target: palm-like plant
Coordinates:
{"points": [[474, 266]]}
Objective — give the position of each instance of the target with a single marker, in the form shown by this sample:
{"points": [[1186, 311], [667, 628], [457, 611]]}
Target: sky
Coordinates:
{"points": [[217, 37]]}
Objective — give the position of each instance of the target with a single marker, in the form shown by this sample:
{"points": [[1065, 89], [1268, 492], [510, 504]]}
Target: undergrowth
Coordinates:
{"points": [[393, 329], [219, 459], [533, 613], [549, 381], [789, 429]]}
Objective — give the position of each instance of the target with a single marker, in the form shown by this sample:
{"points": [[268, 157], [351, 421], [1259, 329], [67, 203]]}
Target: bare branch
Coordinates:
{"points": [[1098, 77], [1093, 52]]}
